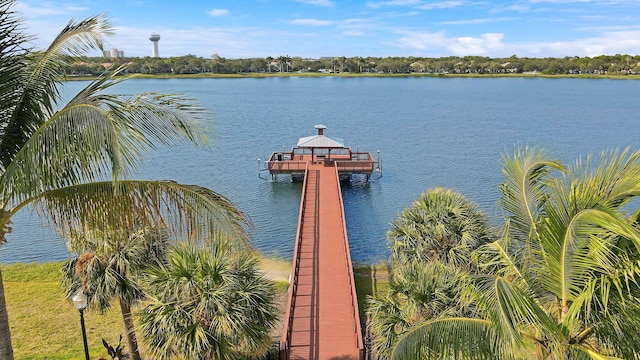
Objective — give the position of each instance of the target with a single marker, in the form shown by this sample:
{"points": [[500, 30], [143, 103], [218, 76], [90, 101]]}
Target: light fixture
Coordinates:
{"points": [[80, 303]]}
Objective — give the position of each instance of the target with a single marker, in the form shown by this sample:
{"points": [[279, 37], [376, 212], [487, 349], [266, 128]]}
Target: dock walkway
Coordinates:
{"points": [[322, 320]]}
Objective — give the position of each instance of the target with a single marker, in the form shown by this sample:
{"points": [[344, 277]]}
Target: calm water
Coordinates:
{"points": [[430, 131]]}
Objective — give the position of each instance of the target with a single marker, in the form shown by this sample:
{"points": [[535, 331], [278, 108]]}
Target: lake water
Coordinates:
{"points": [[430, 132]]}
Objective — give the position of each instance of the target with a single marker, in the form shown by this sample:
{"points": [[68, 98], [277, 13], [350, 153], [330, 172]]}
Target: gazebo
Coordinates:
{"points": [[321, 149]]}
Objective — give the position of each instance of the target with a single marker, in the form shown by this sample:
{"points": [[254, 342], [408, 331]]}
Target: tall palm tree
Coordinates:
{"points": [[282, 60], [109, 266], [343, 60], [208, 303], [288, 61], [74, 164], [269, 61], [563, 279]]}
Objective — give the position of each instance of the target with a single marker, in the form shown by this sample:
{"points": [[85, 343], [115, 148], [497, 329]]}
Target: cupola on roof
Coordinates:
{"points": [[320, 140]]}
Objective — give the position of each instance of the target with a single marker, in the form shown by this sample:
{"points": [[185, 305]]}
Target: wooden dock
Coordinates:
{"points": [[322, 320]]}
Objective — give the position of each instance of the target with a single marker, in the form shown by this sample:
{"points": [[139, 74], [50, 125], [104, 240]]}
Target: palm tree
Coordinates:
{"points": [[282, 60], [417, 293], [73, 164], [441, 225], [334, 63], [431, 244], [360, 62], [109, 266], [563, 278], [269, 61], [288, 61], [208, 303], [343, 60]]}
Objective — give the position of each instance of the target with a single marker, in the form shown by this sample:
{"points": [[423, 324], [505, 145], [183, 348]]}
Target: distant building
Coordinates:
{"points": [[113, 53], [215, 56]]}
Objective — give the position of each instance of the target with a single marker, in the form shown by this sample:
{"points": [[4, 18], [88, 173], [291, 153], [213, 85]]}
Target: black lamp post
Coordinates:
{"points": [[80, 303]]}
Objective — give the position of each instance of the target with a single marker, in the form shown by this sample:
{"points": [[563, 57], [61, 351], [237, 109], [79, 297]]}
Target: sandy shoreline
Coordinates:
{"points": [[275, 269]]}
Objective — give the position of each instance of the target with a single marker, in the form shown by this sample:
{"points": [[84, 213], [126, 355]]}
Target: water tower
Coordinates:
{"points": [[154, 39]]}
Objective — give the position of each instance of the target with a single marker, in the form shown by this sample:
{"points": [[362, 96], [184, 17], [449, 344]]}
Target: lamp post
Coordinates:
{"points": [[80, 303]]}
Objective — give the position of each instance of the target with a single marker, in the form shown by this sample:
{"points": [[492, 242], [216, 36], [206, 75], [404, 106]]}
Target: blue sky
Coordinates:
{"points": [[315, 28]]}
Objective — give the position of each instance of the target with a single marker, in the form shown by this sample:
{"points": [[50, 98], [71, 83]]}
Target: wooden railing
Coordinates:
{"points": [[354, 166], [353, 162], [285, 344], [354, 298], [287, 166]]}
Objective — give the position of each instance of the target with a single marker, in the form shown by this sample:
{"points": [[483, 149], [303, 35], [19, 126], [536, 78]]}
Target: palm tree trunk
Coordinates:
{"points": [[6, 350], [132, 341]]}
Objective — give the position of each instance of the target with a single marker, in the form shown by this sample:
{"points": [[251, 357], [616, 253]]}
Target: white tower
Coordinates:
{"points": [[154, 39]]}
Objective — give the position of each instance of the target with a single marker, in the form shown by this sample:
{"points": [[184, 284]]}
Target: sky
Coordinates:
{"points": [[331, 28]]}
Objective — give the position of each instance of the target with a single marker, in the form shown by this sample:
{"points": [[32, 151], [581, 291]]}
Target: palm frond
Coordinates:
{"points": [[13, 65], [612, 182], [451, 338], [515, 311], [38, 91], [98, 136], [583, 251], [524, 190], [188, 211], [594, 355]]}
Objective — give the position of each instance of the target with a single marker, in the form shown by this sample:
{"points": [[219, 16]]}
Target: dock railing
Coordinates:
{"points": [[354, 298], [360, 162], [292, 162], [285, 344], [284, 162]]}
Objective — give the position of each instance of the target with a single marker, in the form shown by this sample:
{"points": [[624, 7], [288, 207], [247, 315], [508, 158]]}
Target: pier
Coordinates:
{"points": [[322, 319]]}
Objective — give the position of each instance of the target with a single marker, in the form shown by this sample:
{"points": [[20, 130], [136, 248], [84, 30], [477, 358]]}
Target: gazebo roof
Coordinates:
{"points": [[320, 141]]}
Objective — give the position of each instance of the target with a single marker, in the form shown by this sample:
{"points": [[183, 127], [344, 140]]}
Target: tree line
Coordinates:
{"points": [[190, 64]]}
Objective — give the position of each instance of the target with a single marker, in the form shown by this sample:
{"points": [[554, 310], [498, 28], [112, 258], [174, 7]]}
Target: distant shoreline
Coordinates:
{"points": [[355, 75]]}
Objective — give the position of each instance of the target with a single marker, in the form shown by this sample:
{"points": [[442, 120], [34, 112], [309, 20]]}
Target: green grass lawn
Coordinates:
{"points": [[370, 280], [45, 325]]}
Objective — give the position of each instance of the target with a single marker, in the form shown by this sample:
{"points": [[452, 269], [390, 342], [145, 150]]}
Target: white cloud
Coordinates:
{"points": [[561, 1], [485, 44], [518, 7], [443, 5], [617, 42], [313, 22], [356, 21], [439, 43], [46, 9], [476, 21], [218, 12], [317, 2], [379, 4]]}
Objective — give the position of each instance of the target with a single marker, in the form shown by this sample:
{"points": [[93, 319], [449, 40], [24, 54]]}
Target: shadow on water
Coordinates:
{"points": [[364, 215], [276, 224]]}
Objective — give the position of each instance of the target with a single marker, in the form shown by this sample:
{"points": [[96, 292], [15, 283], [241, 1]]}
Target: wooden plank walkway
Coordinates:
{"points": [[322, 318]]}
